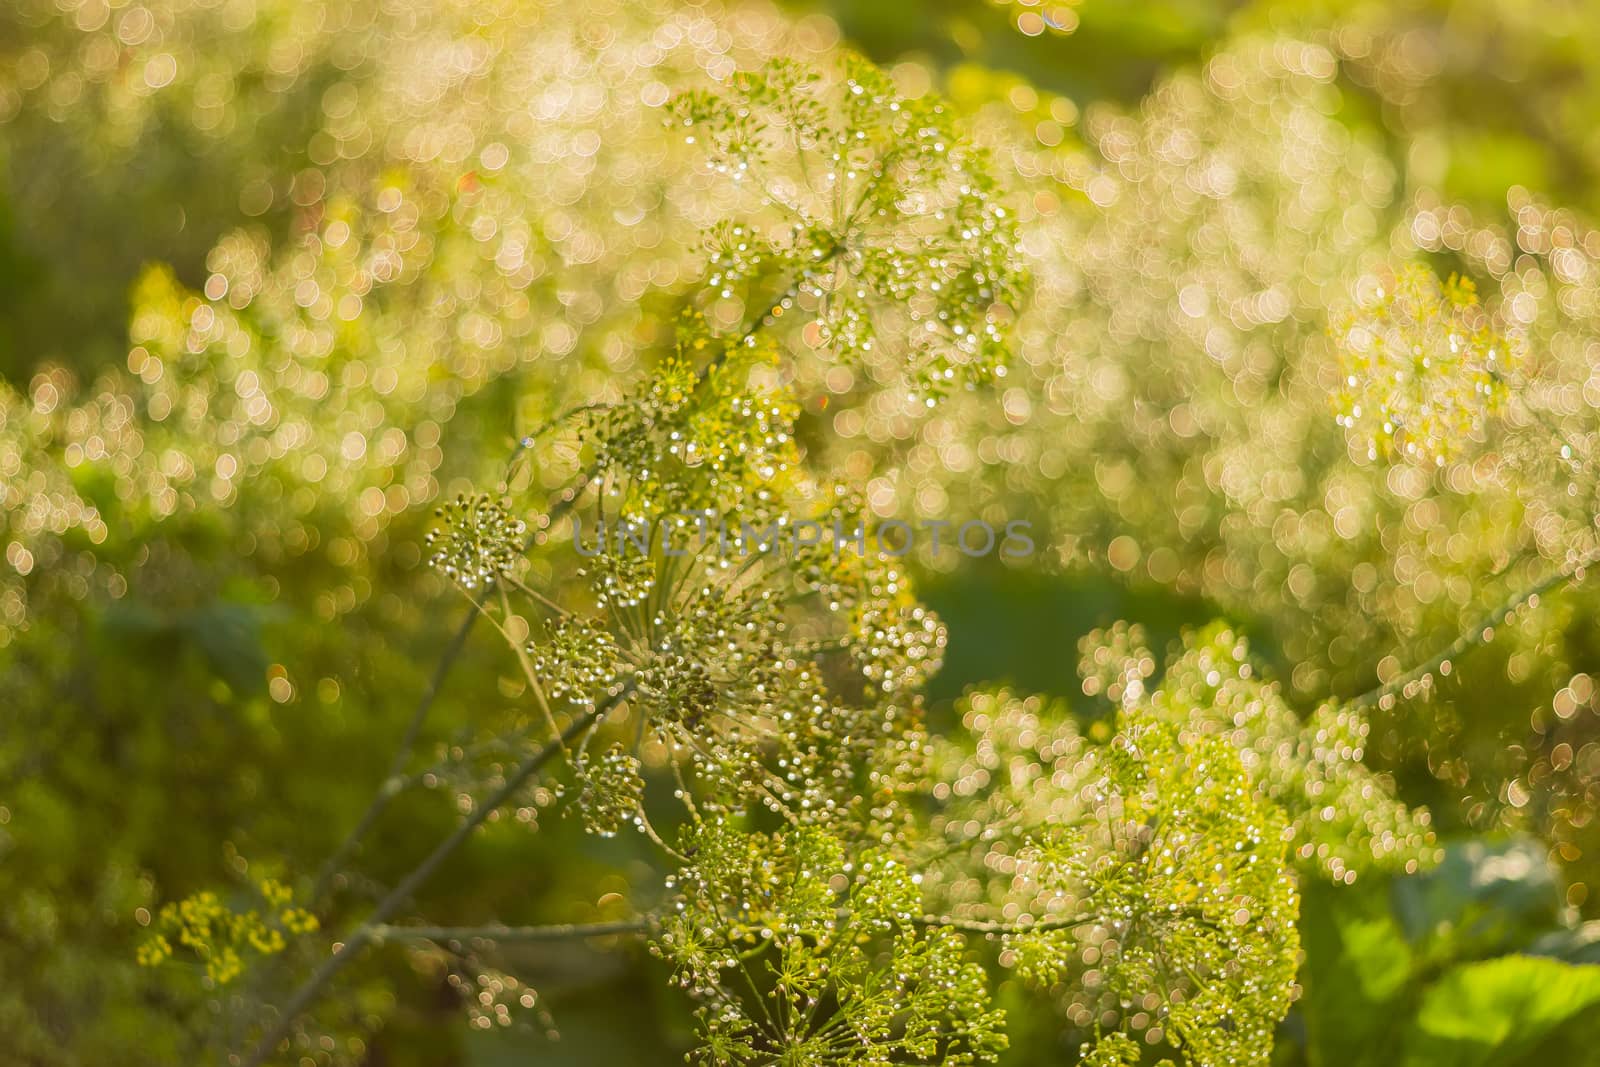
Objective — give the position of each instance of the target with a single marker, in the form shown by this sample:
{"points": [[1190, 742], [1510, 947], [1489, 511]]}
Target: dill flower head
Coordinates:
{"points": [[222, 939], [478, 542], [889, 219], [1422, 365], [855, 977]]}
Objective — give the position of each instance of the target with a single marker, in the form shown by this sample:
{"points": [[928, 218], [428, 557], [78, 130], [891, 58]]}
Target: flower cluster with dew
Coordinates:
{"points": [[802, 950], [1141, 881], [611, 789], [221, 939], [1343, 816], [766, 680], [838, 874], [1150, 870], [889, 220], [899, 643], [1423, 366], [703, 436], [478, 542], [578, 659]]}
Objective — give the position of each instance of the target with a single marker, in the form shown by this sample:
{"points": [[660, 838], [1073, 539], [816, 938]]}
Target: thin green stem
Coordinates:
{"points": [[312, 988], [1479, 633], [514, 934], [394, 782], [985, 926]]}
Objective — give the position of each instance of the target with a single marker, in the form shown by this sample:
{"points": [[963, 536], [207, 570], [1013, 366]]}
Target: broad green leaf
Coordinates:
{"points": [[1498, 1011], [1358, 963]]}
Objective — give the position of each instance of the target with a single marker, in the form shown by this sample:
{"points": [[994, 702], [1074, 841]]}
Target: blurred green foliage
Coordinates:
{"points": [[202, 679], [1444, 967]]}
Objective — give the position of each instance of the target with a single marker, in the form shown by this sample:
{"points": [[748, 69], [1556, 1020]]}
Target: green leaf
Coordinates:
{"points": [[1580, 944], [1358, 963], [1482, 899], [227, 634], [1498, 1011]]}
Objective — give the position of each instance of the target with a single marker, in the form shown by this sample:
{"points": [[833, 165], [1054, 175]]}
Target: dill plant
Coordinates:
{"points": [[838, 885], [1232, 262], [833, 882]]}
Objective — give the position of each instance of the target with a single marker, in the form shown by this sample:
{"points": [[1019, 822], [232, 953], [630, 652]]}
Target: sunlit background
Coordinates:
{"points": [[277, 277]]}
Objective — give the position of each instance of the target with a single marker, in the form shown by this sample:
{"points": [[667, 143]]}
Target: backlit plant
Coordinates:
{"points": [[1423, 366], [695, 292], [1149, 871]]}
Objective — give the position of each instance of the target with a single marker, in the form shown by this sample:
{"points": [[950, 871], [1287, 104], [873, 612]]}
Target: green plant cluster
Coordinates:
{"points": [[330, 332]]}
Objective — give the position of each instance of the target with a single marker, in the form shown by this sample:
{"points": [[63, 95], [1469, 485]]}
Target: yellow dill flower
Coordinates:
{"points": [[222, 938], [1422, 366], [154, 952]]}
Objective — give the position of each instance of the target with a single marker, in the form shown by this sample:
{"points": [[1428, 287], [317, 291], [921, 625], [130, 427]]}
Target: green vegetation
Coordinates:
{"points": [[335, 336]]}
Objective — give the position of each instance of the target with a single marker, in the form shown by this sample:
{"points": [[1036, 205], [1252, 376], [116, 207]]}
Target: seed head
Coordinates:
{"points": [[478, 542]]}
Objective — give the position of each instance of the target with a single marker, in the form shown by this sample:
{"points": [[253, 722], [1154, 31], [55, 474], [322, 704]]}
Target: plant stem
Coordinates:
{"points": [[395, 780], [984, 926], [644, 923], [494, 932], [1479, 633], [312, 988]]}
